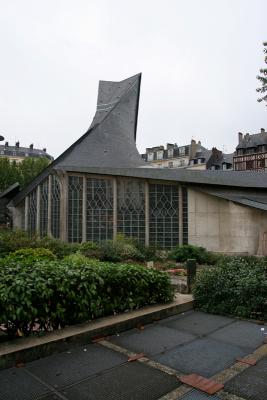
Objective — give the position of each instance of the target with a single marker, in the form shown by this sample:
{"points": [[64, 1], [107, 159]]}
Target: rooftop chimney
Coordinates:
{"points": [[240, 137], [44, 150], [31, 146], [17, 144], [262, 130], [6, 144]]}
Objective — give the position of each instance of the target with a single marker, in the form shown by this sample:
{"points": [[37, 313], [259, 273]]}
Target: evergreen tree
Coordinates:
{"points": [[263, 78]]}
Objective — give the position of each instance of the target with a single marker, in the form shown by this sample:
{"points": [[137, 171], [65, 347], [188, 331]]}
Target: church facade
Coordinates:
{"points": [[100, 186]]}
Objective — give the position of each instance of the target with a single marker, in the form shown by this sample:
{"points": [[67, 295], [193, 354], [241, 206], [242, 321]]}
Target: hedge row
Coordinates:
{"points": [[52, 294], [236, 286]]}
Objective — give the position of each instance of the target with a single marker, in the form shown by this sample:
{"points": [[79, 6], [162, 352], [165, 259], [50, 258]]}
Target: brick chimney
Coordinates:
{"points": [[240, 137]]}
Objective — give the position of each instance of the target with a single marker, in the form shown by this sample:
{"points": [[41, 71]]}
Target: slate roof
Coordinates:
{"points": [[248, 141], [22, 151], [110, 140]]}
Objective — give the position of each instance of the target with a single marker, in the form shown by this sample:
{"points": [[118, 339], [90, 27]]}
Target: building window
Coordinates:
{"points": [[249, 164], [150, 157], [131, 209], [99, 209], [43, 208], [163, 215], [75, 200], [32, 213], [170, 153], [170, 164], [182, 151], [55, 207], [160, 154]]}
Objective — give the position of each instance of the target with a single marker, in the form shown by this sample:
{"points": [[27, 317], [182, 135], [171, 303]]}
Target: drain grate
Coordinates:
{"points": [[66, 368], [197, 323], [241, 333], [133, 381], [251, 384], [152, 340], [197, 395], [15, 384], [205, 357]]}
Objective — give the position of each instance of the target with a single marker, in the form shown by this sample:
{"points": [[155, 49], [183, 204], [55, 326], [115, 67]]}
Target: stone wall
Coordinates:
{"points": [[223, 226]]}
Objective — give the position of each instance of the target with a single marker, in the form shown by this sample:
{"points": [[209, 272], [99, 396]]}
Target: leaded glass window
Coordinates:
{"points": [[75, 202], [131, 209], [99, 209], [55, 207], [32, 212], [163, 215], [43, 208], [185, 215]]}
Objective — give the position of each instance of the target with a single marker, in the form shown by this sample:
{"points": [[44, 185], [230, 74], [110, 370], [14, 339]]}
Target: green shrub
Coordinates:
{"points": [[59, 248], [30, 256], [120, 249], [90, 249], [188, 251], [236, 286], [13, 240], [62, 292]]}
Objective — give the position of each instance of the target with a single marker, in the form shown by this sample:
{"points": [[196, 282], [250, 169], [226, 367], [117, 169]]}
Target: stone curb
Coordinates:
{"points": [[29, 349]]}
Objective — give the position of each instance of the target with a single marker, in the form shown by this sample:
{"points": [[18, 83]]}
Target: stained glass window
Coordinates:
{"points": [[43, 208], [99, 209], [131, 209], [185, 215], [163, 215], [55, 207], [75, 201]]}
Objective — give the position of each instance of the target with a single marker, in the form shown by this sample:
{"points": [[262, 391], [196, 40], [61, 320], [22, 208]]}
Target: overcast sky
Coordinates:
{"points": [[199, 60]]}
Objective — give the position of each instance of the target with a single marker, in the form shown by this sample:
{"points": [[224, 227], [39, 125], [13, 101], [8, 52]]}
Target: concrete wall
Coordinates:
{"points": [[223, 226]]}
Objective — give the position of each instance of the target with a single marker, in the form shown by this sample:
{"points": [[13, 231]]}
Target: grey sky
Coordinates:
{"points": [[199, 60]]}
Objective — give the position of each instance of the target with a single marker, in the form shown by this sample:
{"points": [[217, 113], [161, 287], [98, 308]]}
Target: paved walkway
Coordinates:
{"points": [[193, 342]]}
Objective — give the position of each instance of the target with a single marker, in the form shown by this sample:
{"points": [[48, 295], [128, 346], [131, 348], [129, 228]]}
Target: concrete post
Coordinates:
{"points": [[191, 267]]}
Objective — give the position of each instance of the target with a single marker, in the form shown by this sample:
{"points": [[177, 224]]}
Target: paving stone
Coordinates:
{"points": [[154, 339], [241, 333], [196, 322], [133, 381], [66, 368], [16, 384], [251, 384], [203, 356], [197, 395], [208, 386]]}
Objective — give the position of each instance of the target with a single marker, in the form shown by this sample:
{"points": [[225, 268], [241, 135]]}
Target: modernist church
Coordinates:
{"points": [[100, 187]]}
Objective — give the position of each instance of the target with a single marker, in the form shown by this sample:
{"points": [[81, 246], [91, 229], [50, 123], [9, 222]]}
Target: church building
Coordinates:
{"points": [[100, 186]]}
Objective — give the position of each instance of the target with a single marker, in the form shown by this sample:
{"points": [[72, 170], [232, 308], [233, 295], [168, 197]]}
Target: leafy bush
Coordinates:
{"points": [[14, 240], [236, 286], [90, 249], [29, 256], [120, 249], [58, 293], [188, 251], [59, 248]]}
